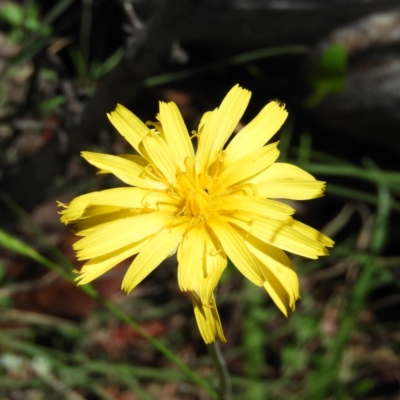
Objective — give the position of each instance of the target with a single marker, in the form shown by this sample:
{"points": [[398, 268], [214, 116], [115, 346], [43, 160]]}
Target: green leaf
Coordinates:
{"points": [[328, 74], [12, 14], [111, 62], [32, 21], [79, 62], [333, 61], [52, 104]]}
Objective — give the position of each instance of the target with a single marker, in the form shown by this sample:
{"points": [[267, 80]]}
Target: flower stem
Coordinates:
{"points": [[225, 385]]}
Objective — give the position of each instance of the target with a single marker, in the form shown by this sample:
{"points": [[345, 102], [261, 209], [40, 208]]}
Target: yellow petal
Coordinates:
{"points": [[203, 120], [277, 233], [126, 170], [215, 264], [291, 189], [280, 278], [119, 233], [74, 210], [161, 156], [136, 198], [258, 132], [248, 166], [152, 254], [176, 133], [111, 200], [220, 125], [94, 211], [208, 320], [191, 259], [208, 285], [278, 293], [158, 128], [287, 181], [139, 160], [236, 250], [88, 225], [281, 171], [257, 205], [136, 159], [311, 233], [128, 125], [201, 263], [100, 265]]}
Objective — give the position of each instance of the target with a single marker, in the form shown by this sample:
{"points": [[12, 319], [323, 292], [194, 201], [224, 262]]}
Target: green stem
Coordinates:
{"points": [[222, 371]]}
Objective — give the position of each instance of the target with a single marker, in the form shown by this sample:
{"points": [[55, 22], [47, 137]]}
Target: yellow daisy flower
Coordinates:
{"points": [[209, 205]]}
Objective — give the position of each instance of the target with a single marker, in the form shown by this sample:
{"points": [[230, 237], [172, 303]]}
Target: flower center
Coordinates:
{"points": [[197, 201]]}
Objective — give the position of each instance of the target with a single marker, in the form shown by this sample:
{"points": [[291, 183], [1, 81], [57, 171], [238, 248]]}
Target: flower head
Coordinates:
{"points": [[209, 205]]}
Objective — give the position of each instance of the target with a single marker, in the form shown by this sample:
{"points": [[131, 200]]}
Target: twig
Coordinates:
{"points": [[135, 23]]}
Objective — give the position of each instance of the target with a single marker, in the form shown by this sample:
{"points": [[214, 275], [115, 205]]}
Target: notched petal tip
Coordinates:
{"points": [[85, 155], [125, 288], [279, 103], [208, 321], [120, 108], [82, 278], [284, 298]]}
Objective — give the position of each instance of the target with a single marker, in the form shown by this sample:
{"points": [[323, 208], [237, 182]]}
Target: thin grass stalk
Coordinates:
{"points": [[324, 381], [225, 385]]}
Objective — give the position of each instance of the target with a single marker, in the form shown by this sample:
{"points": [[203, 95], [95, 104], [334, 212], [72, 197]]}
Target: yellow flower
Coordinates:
{"points": [[208, 205]]}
